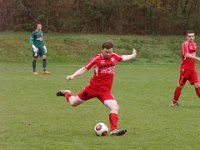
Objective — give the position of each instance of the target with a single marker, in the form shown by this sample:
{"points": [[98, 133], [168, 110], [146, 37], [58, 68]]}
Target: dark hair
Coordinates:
{"points": [[107, 45], [189, 31]]}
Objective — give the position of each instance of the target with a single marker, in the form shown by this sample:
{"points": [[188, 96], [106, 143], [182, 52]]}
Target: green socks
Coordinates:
{"points": [[44, 63], [34, 65]]}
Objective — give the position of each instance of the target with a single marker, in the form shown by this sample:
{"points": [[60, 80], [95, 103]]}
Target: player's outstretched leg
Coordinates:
{"points": [[73, 100], [62, 92]]}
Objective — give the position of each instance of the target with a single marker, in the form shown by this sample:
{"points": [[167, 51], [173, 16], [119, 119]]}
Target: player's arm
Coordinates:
{"points": [[77, 73], [129, 57], [45, 48], [84, 69], [31, 39], [187, 55]]}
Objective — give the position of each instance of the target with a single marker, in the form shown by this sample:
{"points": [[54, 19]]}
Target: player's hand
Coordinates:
{"points": [[68, 78], [134, 52], [35, 49], [45, 48], [198, 58]]}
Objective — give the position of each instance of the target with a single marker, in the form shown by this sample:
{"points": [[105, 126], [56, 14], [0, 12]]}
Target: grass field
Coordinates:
{"points": [[70, 48], [33, 118]]}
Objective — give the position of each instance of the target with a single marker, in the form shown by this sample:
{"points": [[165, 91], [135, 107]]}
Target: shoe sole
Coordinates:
{"points": [[59, 93], [119, 133], [175, 105]]}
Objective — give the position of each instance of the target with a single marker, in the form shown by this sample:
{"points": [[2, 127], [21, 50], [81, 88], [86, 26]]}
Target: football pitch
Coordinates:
{"points": [[33, 118]]}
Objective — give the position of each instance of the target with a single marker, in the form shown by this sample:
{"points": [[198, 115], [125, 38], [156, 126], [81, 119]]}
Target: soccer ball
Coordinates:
{"points": [[101, 129]]}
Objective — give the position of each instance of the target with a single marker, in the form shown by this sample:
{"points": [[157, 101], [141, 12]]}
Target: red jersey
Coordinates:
{"points": [[188, 63], [104, 70]]}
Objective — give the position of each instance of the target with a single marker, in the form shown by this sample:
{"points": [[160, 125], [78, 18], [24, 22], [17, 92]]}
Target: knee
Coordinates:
{"points": [[73, 104], [197, 85], [180, 85], [74, 101], [115, 109], [44, 57], [112, 105]]}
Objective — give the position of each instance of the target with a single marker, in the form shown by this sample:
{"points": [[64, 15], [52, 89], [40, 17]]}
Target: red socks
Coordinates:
{"points": [[113, 118], [68, 95], [177, 94], [198, 91]]}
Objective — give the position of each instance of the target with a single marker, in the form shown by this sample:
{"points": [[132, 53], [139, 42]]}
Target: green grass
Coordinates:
{"points": [[70, 48], [32, 117]]}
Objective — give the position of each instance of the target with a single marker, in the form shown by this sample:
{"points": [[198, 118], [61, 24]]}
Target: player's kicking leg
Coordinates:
{"points": [[71, 98], [113, 118]]}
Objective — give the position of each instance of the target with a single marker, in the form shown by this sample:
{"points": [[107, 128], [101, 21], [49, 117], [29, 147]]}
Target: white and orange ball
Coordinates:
{"points": [[101, 129]]}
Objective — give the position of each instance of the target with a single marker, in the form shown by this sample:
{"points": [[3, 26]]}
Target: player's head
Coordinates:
{"points": [[190, 35], [107, 49], [39, 26]]}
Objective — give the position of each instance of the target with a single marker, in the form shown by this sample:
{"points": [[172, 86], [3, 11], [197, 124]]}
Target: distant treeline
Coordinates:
{"points": [[102, 16]]}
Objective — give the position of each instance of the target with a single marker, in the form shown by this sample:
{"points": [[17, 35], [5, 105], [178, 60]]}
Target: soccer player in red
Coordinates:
{"points": [[187, 68], [101, 83]]}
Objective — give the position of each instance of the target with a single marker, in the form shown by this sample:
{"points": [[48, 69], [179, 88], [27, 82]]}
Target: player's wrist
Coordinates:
{"points": [[73, 76], [34, 47]]}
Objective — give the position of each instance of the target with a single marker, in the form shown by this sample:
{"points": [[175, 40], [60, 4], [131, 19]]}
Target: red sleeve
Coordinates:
{"points": [[185, 48], [91, 63], [118, 57]]}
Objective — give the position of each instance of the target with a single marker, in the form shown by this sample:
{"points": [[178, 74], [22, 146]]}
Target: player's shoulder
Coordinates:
{"points": [[35, 31], [116, 55], [96, 57], [185, 43], [194, 43], [93, 60], [188, 43]]}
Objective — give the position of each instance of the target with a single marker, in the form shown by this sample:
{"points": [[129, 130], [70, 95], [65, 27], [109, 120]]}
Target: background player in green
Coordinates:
{"points": [[39, 49]]}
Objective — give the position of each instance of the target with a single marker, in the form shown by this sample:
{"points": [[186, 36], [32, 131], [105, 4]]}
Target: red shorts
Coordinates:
{"points": [[190, 75], [89, 92]]}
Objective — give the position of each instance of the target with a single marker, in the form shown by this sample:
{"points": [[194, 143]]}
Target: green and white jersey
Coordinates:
{"points": [[37, 39]]}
